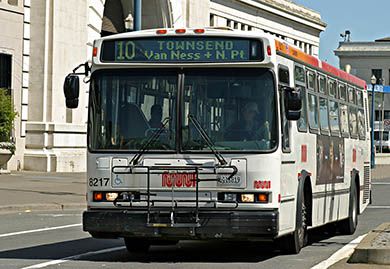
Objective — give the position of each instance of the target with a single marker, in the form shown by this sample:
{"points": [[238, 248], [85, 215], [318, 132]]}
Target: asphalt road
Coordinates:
{"points": [[48, 239]]}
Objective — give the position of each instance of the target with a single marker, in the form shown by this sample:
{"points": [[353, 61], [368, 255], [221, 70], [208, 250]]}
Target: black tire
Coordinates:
{"points": [[293, 243], [137, 245], [348, 226]]}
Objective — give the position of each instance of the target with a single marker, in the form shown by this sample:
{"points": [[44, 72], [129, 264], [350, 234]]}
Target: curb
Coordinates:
{"points": [[374, 248], [41, 207]]}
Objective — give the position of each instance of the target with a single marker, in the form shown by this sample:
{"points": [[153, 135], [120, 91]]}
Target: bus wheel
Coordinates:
{"points": [[348, 226], [296, 241], [137, 244]]}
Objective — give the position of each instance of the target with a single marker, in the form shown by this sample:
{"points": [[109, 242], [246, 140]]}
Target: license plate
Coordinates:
{"points": [[178, 180], [234, 180]]}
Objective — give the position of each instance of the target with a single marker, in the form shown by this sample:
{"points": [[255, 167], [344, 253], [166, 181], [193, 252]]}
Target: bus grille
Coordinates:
{"points": [[366, 190]]}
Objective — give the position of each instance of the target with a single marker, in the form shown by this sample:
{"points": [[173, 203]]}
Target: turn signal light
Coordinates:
{"points": [[180, 31], [94, 52], [97, 196], [262, 198]]}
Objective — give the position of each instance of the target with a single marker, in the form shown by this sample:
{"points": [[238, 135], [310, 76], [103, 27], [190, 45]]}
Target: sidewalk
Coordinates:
{"points": [[21, 191]]}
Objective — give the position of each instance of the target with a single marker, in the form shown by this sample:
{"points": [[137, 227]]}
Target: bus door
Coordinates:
{"points": [[288, 159]]}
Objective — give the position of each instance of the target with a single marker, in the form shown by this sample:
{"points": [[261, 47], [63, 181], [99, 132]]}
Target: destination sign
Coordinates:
{"points": [[182, 49]]}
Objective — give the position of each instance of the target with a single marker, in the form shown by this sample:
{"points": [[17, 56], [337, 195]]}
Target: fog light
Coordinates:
{"points": [[111, 196], [97, 196], [262, 197], [247, 198], [230, 197]]}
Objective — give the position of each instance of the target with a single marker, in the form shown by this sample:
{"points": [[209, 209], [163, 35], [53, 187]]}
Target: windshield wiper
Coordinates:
{"points": [[207, 139], [152, 139]]}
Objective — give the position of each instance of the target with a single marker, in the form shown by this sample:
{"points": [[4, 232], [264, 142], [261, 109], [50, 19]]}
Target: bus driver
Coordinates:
{"points": [[250, 126]]}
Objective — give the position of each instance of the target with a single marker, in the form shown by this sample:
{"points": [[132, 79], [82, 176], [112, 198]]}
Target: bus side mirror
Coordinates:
{"points": [[72, 90], [292, 103]]}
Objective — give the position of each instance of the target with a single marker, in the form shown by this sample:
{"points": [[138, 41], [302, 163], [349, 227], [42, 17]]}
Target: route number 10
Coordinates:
{"points": [[125, 50]]}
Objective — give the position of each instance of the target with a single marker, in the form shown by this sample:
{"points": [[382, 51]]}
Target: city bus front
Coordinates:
{"points": [[183, 138]]}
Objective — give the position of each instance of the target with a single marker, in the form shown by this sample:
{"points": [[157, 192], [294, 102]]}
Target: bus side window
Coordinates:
{"points": [[344, 120], [353, 122], [299, 77], [284, 79], [334, 117], [324, 120], [312, 104], [361, 124], [302, 122], [311, 81]]}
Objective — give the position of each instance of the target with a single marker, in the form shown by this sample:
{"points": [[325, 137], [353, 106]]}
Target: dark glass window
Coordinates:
{"points": [[332, 88], [343, 92], [312, 104], [322, 84], [324, 121], [235, 107], [378, 74], [299, 74], [5, 71]]}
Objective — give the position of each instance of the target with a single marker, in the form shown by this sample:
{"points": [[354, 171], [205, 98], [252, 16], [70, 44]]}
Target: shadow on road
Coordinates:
{"points": [[184, 251]]}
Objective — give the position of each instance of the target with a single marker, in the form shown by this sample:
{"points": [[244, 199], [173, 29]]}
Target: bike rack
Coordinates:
{"points": [[160, 170]]}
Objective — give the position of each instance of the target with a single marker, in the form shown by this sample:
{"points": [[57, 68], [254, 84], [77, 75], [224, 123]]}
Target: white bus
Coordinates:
{"points": [[220, 135]]}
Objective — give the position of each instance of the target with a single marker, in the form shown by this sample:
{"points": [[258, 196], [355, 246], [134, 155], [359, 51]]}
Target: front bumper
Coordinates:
{"points": [[237, 225]]}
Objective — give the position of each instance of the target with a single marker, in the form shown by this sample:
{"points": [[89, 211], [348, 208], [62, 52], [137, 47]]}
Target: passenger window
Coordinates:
{"points": [[284, 76], [311, 81], [359, 96], [361, 124], [343, 92], [322, 84], [299, 74], [344, 120], [351, 95], [332, 88], [353, 121], [302, 123], [334, 116], [313, 111], [324, 121]]}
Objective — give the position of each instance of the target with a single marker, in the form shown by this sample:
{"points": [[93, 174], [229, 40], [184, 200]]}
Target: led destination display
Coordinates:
{"points": [[182, 49]]}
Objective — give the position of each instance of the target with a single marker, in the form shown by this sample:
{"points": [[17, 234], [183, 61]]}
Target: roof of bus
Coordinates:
{"points": [[292, 52], [282, 47]]}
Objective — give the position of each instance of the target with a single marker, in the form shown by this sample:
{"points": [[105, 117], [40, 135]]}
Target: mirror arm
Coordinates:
{"points": [[87, 69]]}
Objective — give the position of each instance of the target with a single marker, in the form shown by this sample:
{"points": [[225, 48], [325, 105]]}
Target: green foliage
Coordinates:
{"points": [[7, 116]]}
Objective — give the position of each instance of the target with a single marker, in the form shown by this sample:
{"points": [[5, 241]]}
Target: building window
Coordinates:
{"points": [[378, 74], [13, 2], [5, 71], [212, 20]]}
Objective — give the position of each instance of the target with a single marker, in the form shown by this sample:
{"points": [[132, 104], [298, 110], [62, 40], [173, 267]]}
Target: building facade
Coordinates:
{"points": [[365, 59], [56, 36], [14, 66]]}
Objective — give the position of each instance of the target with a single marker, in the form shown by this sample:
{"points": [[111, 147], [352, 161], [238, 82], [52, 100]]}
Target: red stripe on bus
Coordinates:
{"points": [[303, 153], [295, 53]]}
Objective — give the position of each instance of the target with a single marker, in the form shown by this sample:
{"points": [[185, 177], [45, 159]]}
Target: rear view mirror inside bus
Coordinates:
{"points": [[72, 90], [293, 103]]}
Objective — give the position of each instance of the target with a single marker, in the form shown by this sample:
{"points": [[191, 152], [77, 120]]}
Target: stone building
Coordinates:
{"points": [[365, 59], [14, 66], [54, 36]]}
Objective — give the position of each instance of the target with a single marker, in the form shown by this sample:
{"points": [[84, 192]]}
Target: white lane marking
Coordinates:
{"points": [[380, 183], [40, 230], [72, 258], [379, 206], [342, 253]]}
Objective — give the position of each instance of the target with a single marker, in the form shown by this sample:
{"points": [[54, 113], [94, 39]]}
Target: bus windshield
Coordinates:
{"points": [[128, 107], [235, 107]]}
